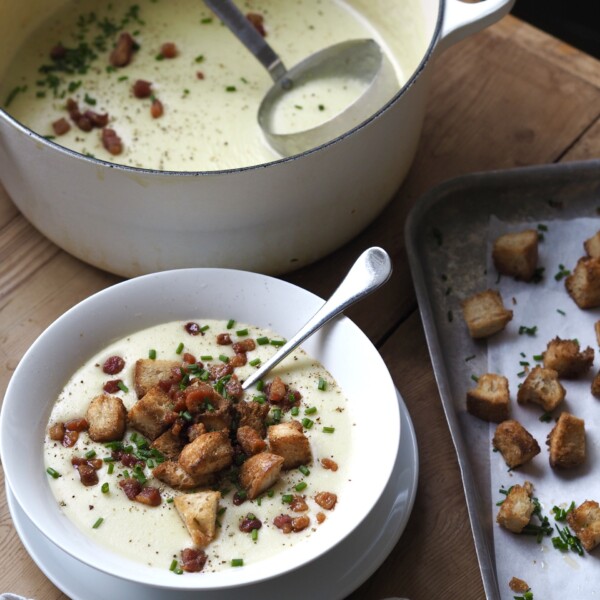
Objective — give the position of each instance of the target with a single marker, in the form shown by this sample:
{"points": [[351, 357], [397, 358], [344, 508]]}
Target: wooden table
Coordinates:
{"points": [[507, 97]]}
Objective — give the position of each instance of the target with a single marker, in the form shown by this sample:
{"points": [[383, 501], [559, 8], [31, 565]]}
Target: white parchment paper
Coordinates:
{"points": [[549, 572]]}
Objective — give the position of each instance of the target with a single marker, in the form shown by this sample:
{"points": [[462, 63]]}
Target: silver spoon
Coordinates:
{"points": [[370, 271], [361, 60]]}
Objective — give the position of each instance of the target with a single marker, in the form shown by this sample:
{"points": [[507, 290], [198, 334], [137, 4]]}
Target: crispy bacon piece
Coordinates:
{"points": [[73, 110], [131, 487], [326, 500], [300, 523], [283, 522], [142, 88], [127, 459], [258, 21], [197, 396], [193, 560], [188, 358], [199, 75], [298, 504], [168, 50], [70, 438], [80, 424], [113, 365], [244, 345], [57, 431], [123, 52], [112, 386], [61, 126], [218, 371], [223, 339], [193, 328], [277, 390], [96, 119], [330, 464], [239, 360], [321, 517], [150, 496], [111, 141], [249, 523], [87, 469], [84, 123], [234, 388]]}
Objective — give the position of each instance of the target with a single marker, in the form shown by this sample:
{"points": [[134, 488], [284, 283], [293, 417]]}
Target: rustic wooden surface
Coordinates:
{"points": [[509, 96]]}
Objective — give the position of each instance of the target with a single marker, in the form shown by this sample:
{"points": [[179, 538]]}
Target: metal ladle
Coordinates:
{"points": [[370, 271], [361, 60]]}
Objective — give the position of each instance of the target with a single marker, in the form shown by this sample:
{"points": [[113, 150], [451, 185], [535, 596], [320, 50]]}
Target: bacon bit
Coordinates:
{"points": [[283, 522], [197, 396], [329, 464], [233, 387], [199, 74], [77, 425], [97, 119], [190, 359], [193, 560], [168, 50], [239, 499], [61, 126], [248, 524], [128, 459], [58, 52], [218, 371], [84, 123], [87, 474], [178, 426], [276, 390], [165, 385], [111, 141], [195, 430], [70, 438], [121, 55], [298, 504], [258, 21], [142, 89], [300, 523], [244, 346], [518, 585], [57, 431], [239, 360], [150, 496], [95, 463], [131, 487], [73, 109], [113, 365], [223, 339], [112, 386], [321, 517], [178, 398], [176, 374], [326, 500], [193, 328]]}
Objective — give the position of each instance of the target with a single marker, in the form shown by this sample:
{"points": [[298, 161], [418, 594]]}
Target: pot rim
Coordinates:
{"points": [[126, 168]]}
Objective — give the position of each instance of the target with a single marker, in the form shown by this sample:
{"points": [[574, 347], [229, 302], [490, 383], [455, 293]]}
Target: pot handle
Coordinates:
{"points": [[461, 19]]}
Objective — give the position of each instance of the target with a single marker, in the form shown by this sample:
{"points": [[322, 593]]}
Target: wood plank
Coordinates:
{"points": [[587, 146]]}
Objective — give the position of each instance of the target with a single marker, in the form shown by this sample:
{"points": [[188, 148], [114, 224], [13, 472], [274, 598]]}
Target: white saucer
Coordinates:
{"points": [[334, 576]]}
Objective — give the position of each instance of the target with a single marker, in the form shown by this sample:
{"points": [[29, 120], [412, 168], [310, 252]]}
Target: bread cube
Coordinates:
{"points": [[250, 440], [592, 245], [485, 314], [541, 386], [149, 372], [516, 510], [565, 357], [153, 414], [173, 474], [516, 254], [490, 399], [199, 513], [567, 442], [583, 284], [288, 440], [253, 414], [597, 330], [107, 418], [515, 443], [585, 522], [208, 453], [168, 444], [260, 472], [596, 385]]}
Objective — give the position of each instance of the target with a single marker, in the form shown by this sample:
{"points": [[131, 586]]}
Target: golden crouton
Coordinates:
{"points": [[596, 385], [597, 330], [107, 418], [250, 440], [168, 444], [585, 522], [152, 414], [541, 386], [149, 372], [208, 453], [583, 284], [516, 254], [260, 472], [253, 414], [485, 314], [516, 510], [199, 513], [171, 473], [490, 399], [288, 440], [592, 245], [515, 443], [195, 430], [565, 357], [567, 442]]}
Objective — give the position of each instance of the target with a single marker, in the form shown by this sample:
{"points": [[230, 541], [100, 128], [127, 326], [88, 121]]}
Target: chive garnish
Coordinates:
{"points": [[311, 410], [174, 564], [98, 523], [475, 378], [206, 357], [301, 486], [237, 562], [261, 399], [307, 423], [170, 500], [53, 473], [90, 454], [152, 354], [295, 410], [199, 58], [204, 328], [260, 384], [277, 414], [104, 488], [254, 362], [561, 312], [277, 342], [179, 349], [322, 385], [538, 357], [241, 332], [287, 498], [562, 273], [178, 571], [89, 100], [230, 323], [186, 415], [546, 417], [111, 468], [206, 20], [231, 88], [254, 535], [122, 386], [304, 470], [261, 341], [524, 330], [223, 358], [328, 429]]}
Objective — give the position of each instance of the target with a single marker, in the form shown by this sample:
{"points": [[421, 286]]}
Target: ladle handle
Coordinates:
{"points": [[371, 270], [229, 13]]}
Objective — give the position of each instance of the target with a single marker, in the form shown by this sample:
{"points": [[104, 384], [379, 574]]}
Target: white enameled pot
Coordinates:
{"points": [[270, 218]]}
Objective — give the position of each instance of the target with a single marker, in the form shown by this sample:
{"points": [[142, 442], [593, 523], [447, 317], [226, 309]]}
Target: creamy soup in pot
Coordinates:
{"points": [[205, 352], [196, 106]]}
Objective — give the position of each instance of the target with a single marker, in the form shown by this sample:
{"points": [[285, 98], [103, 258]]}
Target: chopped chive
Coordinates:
{"points": [[475, 378], [53, 473], [104, 488], [277, 342], [260, 384], [152, 354], [561, 312], [237, 562], [304, 470], [206, 20], [301, 486], [254, 362], [122, 386], [542, 227], [523, 330], [230, 323], [271, 493], [259, 503], [230, 88], [89, 100], [223, 358], [470, 357], [523, 363], [562, 273], [307, 423], [179, 349], [150, 463], [123, 78], [254, 535], [90, 454], [311, 410], [328, 429], [178, 571], [126, 474], [111, 468], [521, 374], [261, 399], [204, 328], [295, 410], [98, 523], [277, 414], [241, 332], [538, 357], [287, 498], [108, 459], [321, 107], [186, 415], [199, 58], [261, 341], [174, 564], [206, 357], [322, 385]]}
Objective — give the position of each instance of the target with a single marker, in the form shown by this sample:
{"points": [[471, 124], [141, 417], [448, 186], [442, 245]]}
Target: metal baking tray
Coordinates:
{"points": [[446, 238]]}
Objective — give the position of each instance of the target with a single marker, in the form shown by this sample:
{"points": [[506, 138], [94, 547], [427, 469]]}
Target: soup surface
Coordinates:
{"points": [[155, 535], [199, 112]]}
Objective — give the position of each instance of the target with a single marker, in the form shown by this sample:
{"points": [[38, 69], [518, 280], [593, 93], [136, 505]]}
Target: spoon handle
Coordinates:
{"points": [[371, 270], [228, 12]]}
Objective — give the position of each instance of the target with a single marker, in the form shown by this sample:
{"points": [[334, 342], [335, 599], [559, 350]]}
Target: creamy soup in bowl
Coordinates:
{"points": [[355, 424]]}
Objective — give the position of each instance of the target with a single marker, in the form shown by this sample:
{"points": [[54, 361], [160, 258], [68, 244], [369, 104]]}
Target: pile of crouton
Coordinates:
{"points": [[516, 255]]}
